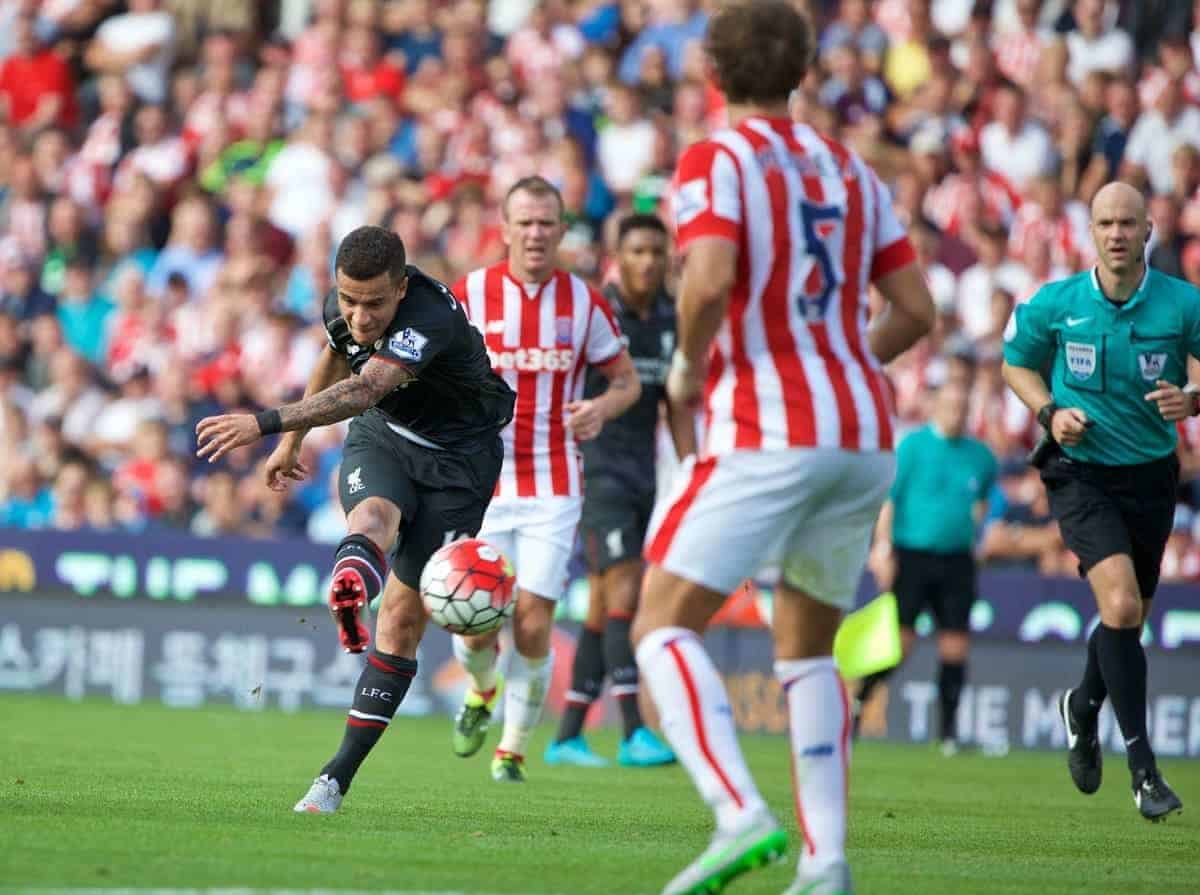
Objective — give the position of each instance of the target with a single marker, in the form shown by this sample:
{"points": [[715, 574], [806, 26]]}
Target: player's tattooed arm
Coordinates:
{"points": [[216, 436], [347, 398]]}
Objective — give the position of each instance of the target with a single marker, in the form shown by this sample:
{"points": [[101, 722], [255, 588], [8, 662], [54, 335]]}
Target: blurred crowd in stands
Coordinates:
{"points": [[176, 174]]}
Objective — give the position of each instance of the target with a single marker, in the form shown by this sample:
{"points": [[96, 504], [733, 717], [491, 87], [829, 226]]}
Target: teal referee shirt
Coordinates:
{"points": [[938, 482], [1104, 358]]}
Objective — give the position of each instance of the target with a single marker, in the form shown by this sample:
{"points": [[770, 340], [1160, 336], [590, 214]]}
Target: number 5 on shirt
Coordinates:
{"points": [[820, 222]]}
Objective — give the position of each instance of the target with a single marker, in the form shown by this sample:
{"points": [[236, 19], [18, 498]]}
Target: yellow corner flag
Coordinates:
{"points": [[869, 638]]}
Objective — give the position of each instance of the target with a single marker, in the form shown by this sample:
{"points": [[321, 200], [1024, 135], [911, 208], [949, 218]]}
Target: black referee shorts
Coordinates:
{"points": [[442, 494], [942, 582], [1106, 510]]}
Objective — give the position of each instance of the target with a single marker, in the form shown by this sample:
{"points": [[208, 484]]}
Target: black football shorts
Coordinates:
{"points": [[442, 494]]}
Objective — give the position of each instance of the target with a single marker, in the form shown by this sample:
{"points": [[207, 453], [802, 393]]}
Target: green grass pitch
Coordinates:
{"points": [[97, 796]]}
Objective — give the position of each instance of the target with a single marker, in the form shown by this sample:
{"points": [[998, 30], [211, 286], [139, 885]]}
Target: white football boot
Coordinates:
{"points": [[835, 880], [323, 797]]}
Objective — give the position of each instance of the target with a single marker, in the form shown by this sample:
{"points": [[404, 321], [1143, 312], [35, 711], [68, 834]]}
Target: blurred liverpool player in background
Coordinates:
{"points": [[618, 498]]}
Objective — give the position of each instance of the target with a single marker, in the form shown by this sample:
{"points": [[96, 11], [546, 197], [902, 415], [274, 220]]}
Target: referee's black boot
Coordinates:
{"points": [[1154, 798], [1084, 755]]}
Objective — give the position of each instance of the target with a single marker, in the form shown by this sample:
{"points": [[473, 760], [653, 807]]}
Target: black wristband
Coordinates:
{"points": [[269, 422], [1045, 416]]}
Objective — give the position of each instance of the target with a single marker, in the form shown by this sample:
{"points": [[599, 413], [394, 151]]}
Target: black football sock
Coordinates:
{"points": [[1091, 692], [377, 695], [950, 685], [1123, 663], [360, 553], [622, 668], [587, 680]]}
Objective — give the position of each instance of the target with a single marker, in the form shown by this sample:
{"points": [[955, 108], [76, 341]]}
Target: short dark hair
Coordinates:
{"points": [[761, 49], [368, 251], [632, 222], [535, 185]]}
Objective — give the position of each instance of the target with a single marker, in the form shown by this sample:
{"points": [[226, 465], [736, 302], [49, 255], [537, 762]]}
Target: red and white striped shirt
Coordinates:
{"points": [[960, 200], [790, 366], [540, 340], [1018, 52], [1067, 235]]}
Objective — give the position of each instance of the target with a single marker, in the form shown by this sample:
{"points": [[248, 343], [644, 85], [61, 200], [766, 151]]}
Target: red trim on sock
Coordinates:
{"points": [[845, 741], [599, 631], [504, 753], [384, 666], [362, 563], [698, 721], [620, 615], [361, 722], [378, 663], [487, 695], [809, 845]]}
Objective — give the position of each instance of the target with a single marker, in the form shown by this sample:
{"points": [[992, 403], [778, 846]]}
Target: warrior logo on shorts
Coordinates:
{"points": [[1081, 360], [1151, 365], [354, 482]]}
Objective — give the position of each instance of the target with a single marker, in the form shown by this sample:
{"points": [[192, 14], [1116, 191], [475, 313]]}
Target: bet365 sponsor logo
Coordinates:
{"points": [[533, 360]]}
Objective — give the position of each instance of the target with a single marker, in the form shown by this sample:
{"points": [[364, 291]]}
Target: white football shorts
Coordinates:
{"points": [[809, 511], [537, 535]]}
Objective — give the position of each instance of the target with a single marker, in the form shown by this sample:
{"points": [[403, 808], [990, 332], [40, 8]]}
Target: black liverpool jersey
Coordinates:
{"points": [[456, 399], [625, 447]]}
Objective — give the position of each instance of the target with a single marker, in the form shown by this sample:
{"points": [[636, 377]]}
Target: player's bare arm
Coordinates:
{"points": [[907, 316], [1175, 403], [681, 422], [587, 417], [218, 435], [704, 288]]}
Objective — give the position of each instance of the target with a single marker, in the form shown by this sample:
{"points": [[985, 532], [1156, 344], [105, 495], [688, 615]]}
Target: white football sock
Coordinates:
{"points": [[524, 697], [696, 718], [819, 713], [480, 665]]}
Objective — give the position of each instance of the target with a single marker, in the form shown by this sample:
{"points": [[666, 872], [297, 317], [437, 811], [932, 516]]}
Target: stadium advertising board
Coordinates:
{"points": [[256, 659], [182, 570]]}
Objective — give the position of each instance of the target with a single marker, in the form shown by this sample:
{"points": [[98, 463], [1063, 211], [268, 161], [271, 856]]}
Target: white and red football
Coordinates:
{"points": [[468, 587]]}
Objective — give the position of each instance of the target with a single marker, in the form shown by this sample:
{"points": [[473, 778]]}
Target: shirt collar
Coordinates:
{"points": [[661, 306], [1098, 292]]}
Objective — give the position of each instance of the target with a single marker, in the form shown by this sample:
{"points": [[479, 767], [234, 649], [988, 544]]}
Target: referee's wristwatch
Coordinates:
{"points": [[1045, 416]]}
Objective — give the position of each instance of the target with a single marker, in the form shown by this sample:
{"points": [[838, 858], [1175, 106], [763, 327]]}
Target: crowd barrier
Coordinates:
{"points": [[188, 621]]}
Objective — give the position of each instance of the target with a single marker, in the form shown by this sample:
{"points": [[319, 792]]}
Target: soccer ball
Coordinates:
{"points": [[468, 587]]}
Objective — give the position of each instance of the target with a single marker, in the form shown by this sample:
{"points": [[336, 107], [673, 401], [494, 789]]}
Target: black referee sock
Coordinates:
{"points": [[1091, 692], [360, 553], [587, 680], [622, 668], [380, 690], [951, 676], [1123, 663]]}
